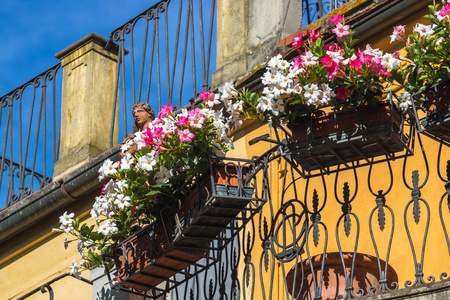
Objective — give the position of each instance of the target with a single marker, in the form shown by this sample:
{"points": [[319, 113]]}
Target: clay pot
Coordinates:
{"points": [[366, 275]]}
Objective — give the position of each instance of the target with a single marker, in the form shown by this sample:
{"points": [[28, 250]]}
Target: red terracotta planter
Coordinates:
{"points": [[335, 139], [182, 236], [366, 275]]}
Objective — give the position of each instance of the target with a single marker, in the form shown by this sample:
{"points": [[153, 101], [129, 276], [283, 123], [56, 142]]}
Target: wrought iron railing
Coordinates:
{"points": [[29, 131], [165, 56], [330, 235], [316, 9]]}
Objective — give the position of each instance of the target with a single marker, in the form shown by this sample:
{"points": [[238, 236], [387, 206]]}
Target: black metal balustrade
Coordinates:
{"points": [[299, 245], [161, 52], [316, 9], [29, 131]]}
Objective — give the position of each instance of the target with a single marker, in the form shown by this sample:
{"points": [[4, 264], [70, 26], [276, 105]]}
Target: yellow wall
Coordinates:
{"points": [[37, 256]]}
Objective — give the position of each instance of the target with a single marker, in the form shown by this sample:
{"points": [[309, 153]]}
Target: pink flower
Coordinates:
{"points": [[332, 47], [166, 110], [183, 121], [342, 92], [327, 60], [195, 118], [209, 98], [443, 13], [336, 19], [297, 63], [341, 30], [364, 57], [185, 135], [313, 35], [355, 63], [399, 31], [332, 72], [298, 41]]}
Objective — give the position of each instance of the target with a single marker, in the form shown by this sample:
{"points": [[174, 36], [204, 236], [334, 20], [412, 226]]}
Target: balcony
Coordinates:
{"points": [[366, 217]]}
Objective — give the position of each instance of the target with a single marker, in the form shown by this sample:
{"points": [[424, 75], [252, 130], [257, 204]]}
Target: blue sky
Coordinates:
{"points": [[34, 31]]}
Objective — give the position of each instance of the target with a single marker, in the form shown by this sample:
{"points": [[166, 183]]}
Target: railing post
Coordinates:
{"points": [[89, 73]]}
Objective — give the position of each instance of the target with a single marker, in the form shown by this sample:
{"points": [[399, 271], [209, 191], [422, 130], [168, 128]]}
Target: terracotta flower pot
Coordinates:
{"points": [[182, 236], [335, 140], [366, 275]]}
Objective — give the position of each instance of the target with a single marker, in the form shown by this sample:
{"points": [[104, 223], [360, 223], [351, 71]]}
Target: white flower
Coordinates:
{"points": [[335, 56], [346, 61], [405, 102], [124, 148], [121, 186], [424, 30], [265, 103], [277, 107], [126, 162], [273, 62], [107, 228], [122, 201], [389, 61], [283, 64], [80, 247], [286, 82], [207, 113], [212, 101], [66, 227], [66, 218], [372, 52], [169, 128], [74, 270], [270, 78], [147, 162], [227, 90], [108, 187], [311, 92], [218, 119], [309, 59], [107, 168], [163, 175], [327, 94]]}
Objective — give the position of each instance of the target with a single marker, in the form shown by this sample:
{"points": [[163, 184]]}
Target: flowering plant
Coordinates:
{"points": [[322, 74], [427, 57], [156, 164]]}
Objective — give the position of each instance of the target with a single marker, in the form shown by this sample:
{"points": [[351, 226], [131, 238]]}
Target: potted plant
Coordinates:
{"points": [[426, 75], [169, 176], [331, 99]]}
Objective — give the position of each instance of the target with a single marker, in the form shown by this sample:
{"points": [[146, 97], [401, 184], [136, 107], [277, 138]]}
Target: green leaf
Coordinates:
{"points": [[153, 192]]}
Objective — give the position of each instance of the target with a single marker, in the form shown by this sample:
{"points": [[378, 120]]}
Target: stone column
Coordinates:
{"points": [[89, 75], [249, 33]]}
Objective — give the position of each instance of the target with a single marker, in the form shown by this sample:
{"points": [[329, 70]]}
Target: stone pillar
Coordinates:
{"points": [[249, 33], [89, 75]]}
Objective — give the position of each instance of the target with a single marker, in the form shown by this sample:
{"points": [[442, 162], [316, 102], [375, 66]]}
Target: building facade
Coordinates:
{"points": [[384, 217]]}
